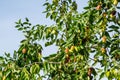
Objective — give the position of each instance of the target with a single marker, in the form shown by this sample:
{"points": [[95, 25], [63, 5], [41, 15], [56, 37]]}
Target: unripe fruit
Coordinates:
{"points": [[55, 1], [24, 50], [78, 31], [107, 73], [104, 39], [115, 2], [4, 78], [72, 48], [95, 59], [98, 7], [103, 50], [75, 59], [49, 30], [76, 48], [104, 14], [39, 54], [53, 32], [112, 16], [0, 73], [67, 50], [67, 56]]}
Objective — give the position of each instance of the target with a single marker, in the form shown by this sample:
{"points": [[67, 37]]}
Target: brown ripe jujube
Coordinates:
{"points": [[112, 14], [24, 50], [66, 50], [117, 57], [90, 71], [67, 59], [98, 7], [104, 39]]}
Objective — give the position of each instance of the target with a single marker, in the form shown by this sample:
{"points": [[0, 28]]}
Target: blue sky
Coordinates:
{"points": [[13, 10]]}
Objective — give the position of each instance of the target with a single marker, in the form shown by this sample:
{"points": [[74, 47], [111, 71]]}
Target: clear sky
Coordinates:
{"points": [[13, 10]]}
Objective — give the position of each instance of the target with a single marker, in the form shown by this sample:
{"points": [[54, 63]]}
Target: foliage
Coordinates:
{"points": [[88, 44]]}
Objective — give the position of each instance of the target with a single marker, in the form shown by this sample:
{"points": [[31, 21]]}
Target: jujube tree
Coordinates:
{"points": [[88, 44]]}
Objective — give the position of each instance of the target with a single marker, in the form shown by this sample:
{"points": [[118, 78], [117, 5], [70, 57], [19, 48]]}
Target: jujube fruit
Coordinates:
{"points": [[103, 50], [67, 50], [24, 50], [104, 39], [98, 7], [115, 2], [72, 48], [90, 71]]}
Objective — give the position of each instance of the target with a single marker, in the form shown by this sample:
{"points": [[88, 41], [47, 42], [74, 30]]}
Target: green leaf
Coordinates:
{"points": [[69, 1], [45, 67], [20, 29], [50, 56], [15, 55], [118, 7], [34, 69], [24, 74], [52, 67], [7, 54], [25, 23], [47, 15], [27, 19], [102, 75], [19, 21], [114, 27], [47, 44], [17, 26], [45, 4], [1, 59], [117, 51], [6, 73], [87, 7]]}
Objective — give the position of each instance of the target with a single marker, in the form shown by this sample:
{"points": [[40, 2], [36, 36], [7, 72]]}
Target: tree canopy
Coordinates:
{"points": [[88, 44]]}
